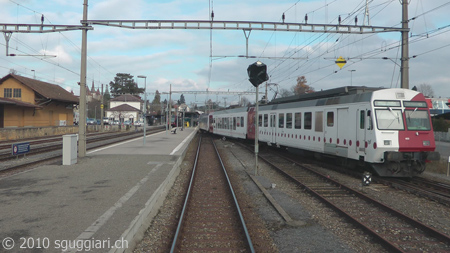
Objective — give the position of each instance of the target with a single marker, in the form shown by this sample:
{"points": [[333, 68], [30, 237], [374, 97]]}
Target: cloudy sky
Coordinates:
{"points": [[183, 57]]}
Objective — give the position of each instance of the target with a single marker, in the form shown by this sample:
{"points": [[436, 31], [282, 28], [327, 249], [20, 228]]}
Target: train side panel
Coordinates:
{"points": [[231, 123]]}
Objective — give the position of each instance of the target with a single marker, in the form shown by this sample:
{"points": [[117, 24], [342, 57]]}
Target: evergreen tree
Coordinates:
{"points": [[156, 103], [182, 100], [124, 84]]}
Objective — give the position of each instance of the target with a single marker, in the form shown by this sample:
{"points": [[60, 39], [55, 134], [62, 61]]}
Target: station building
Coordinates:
{"points": [[27, 102]]}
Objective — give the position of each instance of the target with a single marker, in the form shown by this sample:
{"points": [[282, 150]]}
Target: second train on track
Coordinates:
{"points": [[388, 131]]}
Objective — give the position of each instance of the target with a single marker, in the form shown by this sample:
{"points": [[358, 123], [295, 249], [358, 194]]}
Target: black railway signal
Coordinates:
{"points": [[257, 73]]}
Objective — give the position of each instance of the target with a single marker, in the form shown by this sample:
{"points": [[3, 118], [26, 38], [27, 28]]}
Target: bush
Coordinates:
{"points": [[440, 125]]}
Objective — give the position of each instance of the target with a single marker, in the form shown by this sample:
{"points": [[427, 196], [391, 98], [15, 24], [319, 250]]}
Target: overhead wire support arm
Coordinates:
{"points": [[218, 92], [35, 28], [242, 25]]}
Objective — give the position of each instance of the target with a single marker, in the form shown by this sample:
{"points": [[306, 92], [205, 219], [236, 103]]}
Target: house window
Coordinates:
{"points": [[7, 92], [17, 93]]}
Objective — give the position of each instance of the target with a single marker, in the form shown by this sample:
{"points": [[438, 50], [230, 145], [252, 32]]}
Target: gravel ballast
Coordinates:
{"points": [[314, 226]]}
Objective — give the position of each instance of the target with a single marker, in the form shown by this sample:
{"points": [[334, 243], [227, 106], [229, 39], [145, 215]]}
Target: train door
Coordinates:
{"points": [[331, 127], [273, 128], [211, 124], [343, 132], [360, 144]]}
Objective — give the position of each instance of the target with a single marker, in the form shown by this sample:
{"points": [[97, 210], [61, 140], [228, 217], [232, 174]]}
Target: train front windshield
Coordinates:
{"points": [[389, 119], [417, 120]]}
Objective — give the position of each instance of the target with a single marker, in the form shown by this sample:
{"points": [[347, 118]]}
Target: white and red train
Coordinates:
{"points": [[387, 130]]}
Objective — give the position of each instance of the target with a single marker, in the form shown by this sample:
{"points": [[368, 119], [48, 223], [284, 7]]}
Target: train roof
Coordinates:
{"points": [[336, 92], [234, 110]]}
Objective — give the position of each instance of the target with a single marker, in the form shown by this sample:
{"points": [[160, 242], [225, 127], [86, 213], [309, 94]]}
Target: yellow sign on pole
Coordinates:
{"points": [[340, 62], [101, 106]]}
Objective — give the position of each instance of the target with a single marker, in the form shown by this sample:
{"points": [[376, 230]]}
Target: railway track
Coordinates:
{"points": [[210, 219], [40, 145], [52, 150], [394, 230], [437, 191], [420, 186]]}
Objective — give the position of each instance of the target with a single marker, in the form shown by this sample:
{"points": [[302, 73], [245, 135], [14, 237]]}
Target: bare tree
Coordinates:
{"points": [[302, 87], [244, 101], [285, 93], [426, 90]]}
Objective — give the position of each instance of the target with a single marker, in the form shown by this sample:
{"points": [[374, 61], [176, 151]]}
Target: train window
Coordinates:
{"points": [[361, 119], [417, 120], [289, 120], [242, 121], [272, 120], [308, 120], [385, 103], [388, 119], [330, 119], [415, 104], [234, 123], [369, 121], [281, 120], [266, 120], [260, 123], [298, 120], [318, 126]]}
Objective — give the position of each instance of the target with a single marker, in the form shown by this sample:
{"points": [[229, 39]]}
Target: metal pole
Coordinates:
{"points": [[145, 106], [101, 111], [145, 109], [170, 107], [405, 47], [256, 133], [82, 108]]}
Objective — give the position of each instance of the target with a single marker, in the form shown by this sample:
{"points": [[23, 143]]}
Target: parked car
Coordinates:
{"points": [[106, 121], [127, 122], [138, 123], [91, 121], [116, 122]]}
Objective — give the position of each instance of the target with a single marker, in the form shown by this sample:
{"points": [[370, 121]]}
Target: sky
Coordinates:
{"points": [[197, 60]]}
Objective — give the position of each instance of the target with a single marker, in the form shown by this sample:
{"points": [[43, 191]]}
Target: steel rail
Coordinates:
{"points": [[426, 189], [385, 242], [186, 201], [238, 209], [115, 139], [188, 196]]}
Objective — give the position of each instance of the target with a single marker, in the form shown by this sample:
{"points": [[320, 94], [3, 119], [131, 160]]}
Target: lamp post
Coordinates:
{"points": [[351, 76], [145, 105]]}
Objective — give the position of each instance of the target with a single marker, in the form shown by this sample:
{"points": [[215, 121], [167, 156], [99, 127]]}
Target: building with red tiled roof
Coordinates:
{"points": [[29, 102], [125, 107]]}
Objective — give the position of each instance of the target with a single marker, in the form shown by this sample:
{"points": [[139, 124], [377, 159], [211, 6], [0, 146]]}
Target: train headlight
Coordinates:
{"points": [[426, 143], [387, 142]]}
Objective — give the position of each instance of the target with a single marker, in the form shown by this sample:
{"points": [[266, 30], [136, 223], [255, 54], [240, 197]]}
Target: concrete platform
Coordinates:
{"points": [[108, 196]]}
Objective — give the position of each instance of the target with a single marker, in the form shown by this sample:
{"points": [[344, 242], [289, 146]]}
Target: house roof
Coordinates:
{"points": [[10, 101], [47, 90], [123, 108], [126, 98]]}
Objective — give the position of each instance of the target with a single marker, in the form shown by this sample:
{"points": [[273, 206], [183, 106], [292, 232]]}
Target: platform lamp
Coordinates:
{"points": [[257, 73], [145, 105]]}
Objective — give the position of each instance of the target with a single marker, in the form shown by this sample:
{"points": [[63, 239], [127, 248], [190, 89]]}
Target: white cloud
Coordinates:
{"points": [[181, 57]]}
